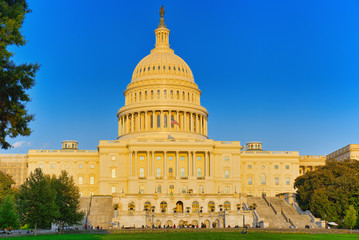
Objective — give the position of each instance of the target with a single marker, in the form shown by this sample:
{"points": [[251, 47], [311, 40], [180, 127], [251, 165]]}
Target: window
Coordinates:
{"points": [[182, 172], [263, 179], [198, 158], [276, 167], [113, 189], [201, 189], [263, 167], [158, 121], [184, 189], [66, 166], [41, 166], [170, 158], [286, 166], [182, 157], [142, 158], [227, 190], [151, 121], [226, 158], [81, 166], [158, 94], [287, 181], [52, 166], [80, 180], [199, 172], [226, 173], [170, 171], [142, 172], [158, 172], [249, 166], [276, 181], [165, 121], [92, 166], [159, 189], [195, 207], [211, 206], [163, 206], [113, 173], [92, 180], [249, 181], [165, 94], [158, 158], [142, 189], [227, 205]]}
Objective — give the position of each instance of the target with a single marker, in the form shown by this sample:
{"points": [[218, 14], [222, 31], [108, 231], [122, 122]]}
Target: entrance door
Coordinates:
{"points": [[179, 206]]}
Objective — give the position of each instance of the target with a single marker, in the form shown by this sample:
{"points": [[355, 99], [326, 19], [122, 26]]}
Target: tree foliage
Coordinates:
{"points": [[350, 217], [8, 214], [14, 79], [67, 200], [329, 190], [36, 201], [6, 188]]}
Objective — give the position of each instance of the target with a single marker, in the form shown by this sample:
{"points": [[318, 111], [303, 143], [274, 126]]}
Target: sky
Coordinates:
{"points": [[285, 73]]}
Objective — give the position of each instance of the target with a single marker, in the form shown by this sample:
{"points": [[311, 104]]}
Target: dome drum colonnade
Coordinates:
{"points": [[162, 97]]}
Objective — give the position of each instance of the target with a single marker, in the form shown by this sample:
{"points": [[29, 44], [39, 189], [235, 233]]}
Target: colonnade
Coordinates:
{"points": [[190, 158], [165, 120]]}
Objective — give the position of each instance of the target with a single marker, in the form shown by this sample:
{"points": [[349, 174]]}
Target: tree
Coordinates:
{"points": [[330, 189], [6, 188], [36, 201], [15, 79], [350, 217], [67, 200], [8, 214]]}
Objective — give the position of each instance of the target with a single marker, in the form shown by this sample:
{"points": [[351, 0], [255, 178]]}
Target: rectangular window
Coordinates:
{"points": [[113, 173], [182, 172], [184, 189], [249, 181], [276, 181], [142, 172], [92, 180], [226, 173], [226, 158], [41, 166], [170, 158], [158, 158], [249, 166], [276, 167], [201, 189], [159, 189], [158, 172], [80, 180], [92, 166], [142, 189], [52, 166], [113, 158], [198, 158], [142, 158], [287, 181], [113, 189], [286, 166], [182, 157], [81, 166], [227, 190]]}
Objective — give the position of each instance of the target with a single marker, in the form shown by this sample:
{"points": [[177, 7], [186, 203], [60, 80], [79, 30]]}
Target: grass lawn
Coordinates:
{"points": [[194, 236]]}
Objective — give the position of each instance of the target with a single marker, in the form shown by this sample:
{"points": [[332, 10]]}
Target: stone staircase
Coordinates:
{"points": [[98, 210], [289, 212], [267, 214]]}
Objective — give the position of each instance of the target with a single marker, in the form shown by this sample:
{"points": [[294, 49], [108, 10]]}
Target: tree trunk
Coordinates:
{"points": [[35, 229]]}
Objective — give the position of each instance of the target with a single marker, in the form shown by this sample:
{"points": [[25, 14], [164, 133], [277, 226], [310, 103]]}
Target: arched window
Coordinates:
{"points": [[226, 173], [227, 205], [211, 206], [151, 94], [182, 173], [131, 206], [178, 95], [139, 96], [183, 96], [142, 172], [158, 121], [158, 172], [188, 97], [163, 206], [199, 172], [145, 95], [263, 179], [165, 94], [135, 96], [195, 207], [151, 121], [158, 94], [171, 94]]}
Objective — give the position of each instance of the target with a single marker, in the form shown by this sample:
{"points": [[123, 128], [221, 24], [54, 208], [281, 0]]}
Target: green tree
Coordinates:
{"points": [[6, 188], [15, 79], [36, 201], [330, 189], [8, 214], [67, 200], [350, 217]]}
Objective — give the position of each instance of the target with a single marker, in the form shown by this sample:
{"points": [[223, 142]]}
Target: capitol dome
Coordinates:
{"points": [[162, 100]]}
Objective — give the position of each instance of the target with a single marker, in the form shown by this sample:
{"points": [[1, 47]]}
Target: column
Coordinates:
{"points": [[210, 164], [194, 163], [132, 121], [178, 121], [169, 120], [191, 121], [184, 124], [205, 164], [146, 123], [162, 122], [153, 163], [189, 164], [205, 126], [136, 164], [131, 167], [177, 153], [164, 164], [138, 122], [148, 164]]}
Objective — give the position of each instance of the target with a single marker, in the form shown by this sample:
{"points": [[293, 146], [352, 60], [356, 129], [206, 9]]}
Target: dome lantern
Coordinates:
{"points": [[162, 33]]}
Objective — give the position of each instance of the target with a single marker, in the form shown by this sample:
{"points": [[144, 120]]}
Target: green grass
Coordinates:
{"points": [[195, 236]]}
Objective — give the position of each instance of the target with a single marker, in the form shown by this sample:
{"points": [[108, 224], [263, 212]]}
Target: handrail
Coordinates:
{"points": [[275, 211], [245, 206], [288, 220]]}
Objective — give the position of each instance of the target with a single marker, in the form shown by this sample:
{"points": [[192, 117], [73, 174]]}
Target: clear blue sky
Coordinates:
{"points": [[282, 72]]}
